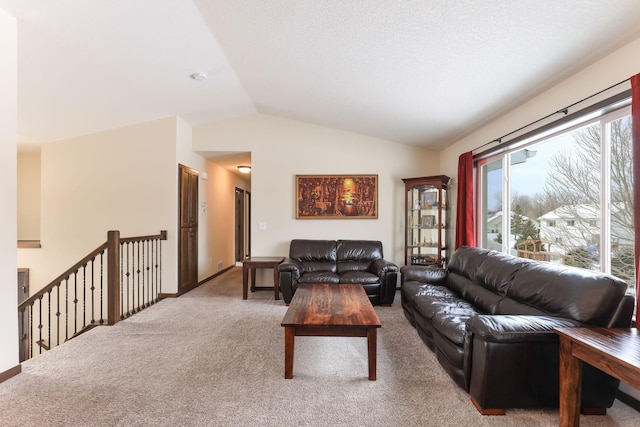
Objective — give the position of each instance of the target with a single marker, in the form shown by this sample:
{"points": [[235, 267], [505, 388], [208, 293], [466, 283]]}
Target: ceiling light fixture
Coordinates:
{"points": [[244, 169], [199, 76]]}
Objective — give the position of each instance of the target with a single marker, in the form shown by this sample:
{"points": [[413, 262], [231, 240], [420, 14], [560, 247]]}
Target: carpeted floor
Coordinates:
{"points": [[209, 358]]}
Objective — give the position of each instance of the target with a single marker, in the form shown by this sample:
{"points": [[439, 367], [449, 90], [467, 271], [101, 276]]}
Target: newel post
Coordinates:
{"points": [[113, 277]]}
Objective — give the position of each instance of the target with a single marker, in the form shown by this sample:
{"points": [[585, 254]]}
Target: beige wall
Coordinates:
{"points": [[282, 148], [29, 194], [8, 197], [123, 179]]}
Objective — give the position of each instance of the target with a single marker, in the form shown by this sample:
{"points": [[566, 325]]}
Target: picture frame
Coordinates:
{"points": [[428, 221], [336, 196], [429, 199]]}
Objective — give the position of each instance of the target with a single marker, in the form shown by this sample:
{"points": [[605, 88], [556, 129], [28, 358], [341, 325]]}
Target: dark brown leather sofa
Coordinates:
{"points": [[489, 318], [339, 261]]}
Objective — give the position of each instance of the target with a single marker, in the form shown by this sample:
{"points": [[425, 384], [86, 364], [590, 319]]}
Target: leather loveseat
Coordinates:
{"points": [[339, 261], [489, 318]]}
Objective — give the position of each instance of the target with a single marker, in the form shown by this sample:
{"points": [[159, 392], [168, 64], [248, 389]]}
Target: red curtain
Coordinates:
{"points": [[635, 135], [464, 208]]}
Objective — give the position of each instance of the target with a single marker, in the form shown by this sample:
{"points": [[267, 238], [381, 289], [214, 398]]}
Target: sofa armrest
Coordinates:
{"points": [[380, 267], [423, 274], [517, 328], [388, 274], [291, 265], [289, 272]]}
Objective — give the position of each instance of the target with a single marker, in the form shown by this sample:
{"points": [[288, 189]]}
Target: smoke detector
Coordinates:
{"points": [[199, 76]]}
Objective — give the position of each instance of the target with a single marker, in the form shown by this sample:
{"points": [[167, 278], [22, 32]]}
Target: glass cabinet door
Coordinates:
{"points": [[427, 221]]}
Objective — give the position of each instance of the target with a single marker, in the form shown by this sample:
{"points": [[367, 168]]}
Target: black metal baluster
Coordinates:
{"points": [[93, 288], [75, 302], [49, 318], [147, 253], [159, 268], [66, 308], [84, 296], [40, 324], [101, 286], [137, 307], [31, 329], [58, 313]]}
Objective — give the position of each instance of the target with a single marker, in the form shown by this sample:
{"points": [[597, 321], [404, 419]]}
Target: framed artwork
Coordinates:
{"points": [[429, 200], [336, 196], [428, 221]]}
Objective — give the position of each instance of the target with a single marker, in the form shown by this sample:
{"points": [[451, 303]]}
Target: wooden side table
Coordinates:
{"points": [[252, 263], [615, 351]]}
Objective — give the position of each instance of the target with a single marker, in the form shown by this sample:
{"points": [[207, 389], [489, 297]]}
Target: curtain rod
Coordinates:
{"points": [[564, 111]]}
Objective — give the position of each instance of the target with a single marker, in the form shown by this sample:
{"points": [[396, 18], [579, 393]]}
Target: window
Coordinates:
{"points": [[568, 189]]}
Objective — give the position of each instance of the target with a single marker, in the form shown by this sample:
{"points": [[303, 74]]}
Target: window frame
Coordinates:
{"points": [[607, 112]]}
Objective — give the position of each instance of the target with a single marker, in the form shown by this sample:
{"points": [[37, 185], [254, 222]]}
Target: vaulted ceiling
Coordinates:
{"points": [[423, 72]]}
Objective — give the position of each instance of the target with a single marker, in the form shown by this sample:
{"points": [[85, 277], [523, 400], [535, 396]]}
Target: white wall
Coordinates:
{"points": [[282, 148], [123, 179], [29, 194], [8, 203]]}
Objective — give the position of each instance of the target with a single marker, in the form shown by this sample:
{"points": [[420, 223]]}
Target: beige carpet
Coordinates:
{"points": [[209, 358]]}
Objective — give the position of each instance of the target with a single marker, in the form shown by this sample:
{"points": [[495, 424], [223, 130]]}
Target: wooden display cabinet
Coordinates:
{"points": [[427, 216]]}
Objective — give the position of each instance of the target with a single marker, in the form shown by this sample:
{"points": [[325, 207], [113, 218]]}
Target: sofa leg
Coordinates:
{"points": [[484, 411], [593, 411], [385, 305]]}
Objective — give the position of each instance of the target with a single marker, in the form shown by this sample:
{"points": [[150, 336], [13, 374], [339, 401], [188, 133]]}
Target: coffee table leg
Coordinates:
{"points": [[289, 338], [372, 344]]}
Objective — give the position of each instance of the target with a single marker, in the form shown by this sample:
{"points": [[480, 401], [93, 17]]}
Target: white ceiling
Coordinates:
{"points": [[423, 72]]}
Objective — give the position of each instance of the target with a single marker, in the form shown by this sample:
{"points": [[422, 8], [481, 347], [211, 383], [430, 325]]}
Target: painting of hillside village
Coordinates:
{"points": [[556, 202], [337, 196]]}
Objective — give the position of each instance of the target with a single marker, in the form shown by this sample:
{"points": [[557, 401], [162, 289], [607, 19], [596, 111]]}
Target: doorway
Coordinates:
{"points": [[242, 222]]}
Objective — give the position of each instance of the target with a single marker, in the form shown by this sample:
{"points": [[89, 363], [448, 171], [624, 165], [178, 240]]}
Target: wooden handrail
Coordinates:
{"points": [[85, 260], [75, 301], [63, 276]]}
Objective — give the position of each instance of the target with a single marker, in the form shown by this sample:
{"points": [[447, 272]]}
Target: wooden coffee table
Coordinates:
{"points": [[330, 310]]}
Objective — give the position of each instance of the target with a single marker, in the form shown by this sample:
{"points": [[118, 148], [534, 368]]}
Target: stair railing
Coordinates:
{"points": [[116, 280]]}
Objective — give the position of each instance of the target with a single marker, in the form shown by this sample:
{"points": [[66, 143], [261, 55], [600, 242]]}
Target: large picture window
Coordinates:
{"points": [[565, 196]]}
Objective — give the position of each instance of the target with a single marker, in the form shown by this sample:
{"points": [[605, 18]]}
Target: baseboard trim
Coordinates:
{"points": [[10, 373], [203, 281], [628, 400]]}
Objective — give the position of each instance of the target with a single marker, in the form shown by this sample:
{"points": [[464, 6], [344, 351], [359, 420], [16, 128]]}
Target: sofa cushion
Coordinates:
{"points": [[452, 324], [497, 270], [570, 292], [430, 300], [358, 250], [313, 250], [359, 277], [351, 266], [479, 296], [319, 277], [466, 260]]}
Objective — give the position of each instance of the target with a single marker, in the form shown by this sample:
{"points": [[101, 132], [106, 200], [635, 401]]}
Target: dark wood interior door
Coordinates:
{"points": [[239, 226], [188, 242]]}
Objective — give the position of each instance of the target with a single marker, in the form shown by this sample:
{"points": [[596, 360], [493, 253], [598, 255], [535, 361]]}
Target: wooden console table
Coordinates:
{"points": [[252, 264], [614, 351]]}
